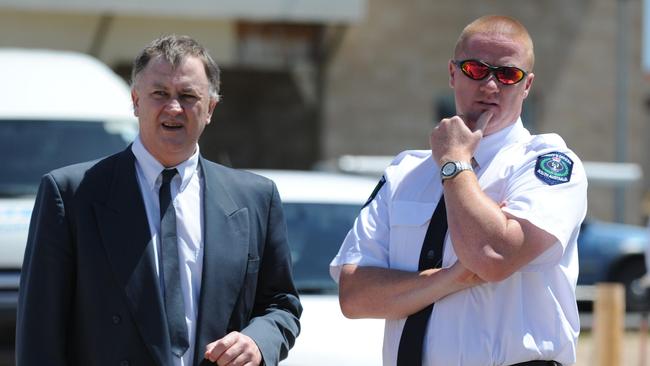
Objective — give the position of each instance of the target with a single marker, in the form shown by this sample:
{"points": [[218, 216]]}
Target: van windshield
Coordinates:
{"points": [[31, 148]]}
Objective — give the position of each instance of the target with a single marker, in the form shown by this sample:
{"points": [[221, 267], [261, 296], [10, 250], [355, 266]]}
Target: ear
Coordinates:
{"points": [[529, 84], [135, 100], [452, 73], [213, 104]]}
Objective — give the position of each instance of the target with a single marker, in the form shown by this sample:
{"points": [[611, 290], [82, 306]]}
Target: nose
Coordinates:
{"points": [[490, 84], [173, 107]]}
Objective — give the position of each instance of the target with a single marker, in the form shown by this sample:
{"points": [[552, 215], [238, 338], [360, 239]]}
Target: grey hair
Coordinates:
{"points": [[174, 49]]}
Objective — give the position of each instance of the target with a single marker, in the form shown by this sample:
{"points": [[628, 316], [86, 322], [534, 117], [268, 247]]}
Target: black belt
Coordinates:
{"points": [[538, 363]]}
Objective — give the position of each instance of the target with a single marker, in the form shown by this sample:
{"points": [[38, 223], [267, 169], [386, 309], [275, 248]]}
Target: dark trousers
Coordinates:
{"points": [[538, 363]]}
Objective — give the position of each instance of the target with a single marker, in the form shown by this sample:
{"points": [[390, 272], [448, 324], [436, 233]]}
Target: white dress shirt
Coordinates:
{"points": [[531, 315], [187, 197]]}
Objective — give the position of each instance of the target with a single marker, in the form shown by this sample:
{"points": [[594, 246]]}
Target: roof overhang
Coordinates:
{"points": [[320, 11]]}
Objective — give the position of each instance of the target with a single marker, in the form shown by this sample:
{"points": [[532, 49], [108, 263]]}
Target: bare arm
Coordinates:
{"points": [[491, 242], [373, 292], [487, 240]]}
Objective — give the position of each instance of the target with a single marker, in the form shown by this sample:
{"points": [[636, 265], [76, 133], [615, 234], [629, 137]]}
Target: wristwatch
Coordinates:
{"points": [[451, 169]]}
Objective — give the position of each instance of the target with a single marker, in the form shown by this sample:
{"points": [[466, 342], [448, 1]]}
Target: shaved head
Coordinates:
{"points": [[498, 26]]}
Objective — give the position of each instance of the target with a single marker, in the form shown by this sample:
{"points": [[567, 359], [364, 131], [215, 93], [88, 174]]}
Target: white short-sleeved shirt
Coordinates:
{"points": [[532, 314]]}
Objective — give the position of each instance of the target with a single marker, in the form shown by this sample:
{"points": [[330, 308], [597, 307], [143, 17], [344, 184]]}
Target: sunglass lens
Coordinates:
{"points": [[509, 75], [474, 69]]}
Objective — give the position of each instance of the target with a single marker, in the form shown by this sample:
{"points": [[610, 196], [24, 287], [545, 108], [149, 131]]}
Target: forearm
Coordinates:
{"points": [[482, 235], [489, 241], [486, 240], [372, 292]]}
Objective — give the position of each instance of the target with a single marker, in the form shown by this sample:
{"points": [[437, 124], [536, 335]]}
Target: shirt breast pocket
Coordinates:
{"points": [[408, 226]]}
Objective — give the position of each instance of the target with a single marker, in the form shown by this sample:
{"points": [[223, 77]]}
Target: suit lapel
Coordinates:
{"points": [[226, 229], [127, 240]]}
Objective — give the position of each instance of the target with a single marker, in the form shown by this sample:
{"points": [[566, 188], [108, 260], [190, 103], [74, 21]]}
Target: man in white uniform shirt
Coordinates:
{"points": [[505, 292], [155, 255]]}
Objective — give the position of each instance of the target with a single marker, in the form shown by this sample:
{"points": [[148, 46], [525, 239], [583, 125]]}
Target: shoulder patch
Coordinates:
{"points": [[381, 182], [554, 168]]}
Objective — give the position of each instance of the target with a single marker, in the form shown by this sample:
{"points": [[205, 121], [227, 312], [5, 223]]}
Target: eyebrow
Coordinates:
{"points": [[158, 85], [185, 89], [189, 89]]}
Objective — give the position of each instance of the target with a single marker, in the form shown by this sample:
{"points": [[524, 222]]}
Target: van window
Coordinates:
{"points": [[316, 231], [31, 148]]}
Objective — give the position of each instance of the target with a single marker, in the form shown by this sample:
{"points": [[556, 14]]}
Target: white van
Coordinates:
{"points": [[56, 108]]}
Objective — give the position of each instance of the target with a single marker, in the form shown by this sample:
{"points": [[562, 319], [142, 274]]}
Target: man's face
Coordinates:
{"points": [[173, 106], [473, 97]]}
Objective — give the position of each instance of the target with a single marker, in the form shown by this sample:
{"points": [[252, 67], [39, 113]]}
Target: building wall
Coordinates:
{"points": [[391, 69], [124, 36]]}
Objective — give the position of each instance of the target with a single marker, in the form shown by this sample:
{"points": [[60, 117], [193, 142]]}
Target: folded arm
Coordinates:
{"points": [[489, 241], [373, 292]]}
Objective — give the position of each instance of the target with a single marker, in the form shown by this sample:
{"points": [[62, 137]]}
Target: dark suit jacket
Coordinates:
{"points": [[89, 294]]}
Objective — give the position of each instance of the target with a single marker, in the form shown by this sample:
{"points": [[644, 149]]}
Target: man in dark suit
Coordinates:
{"points": [[100, 285]]}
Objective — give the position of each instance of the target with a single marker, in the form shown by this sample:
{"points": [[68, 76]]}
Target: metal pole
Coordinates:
{"points": [[621, 103]]}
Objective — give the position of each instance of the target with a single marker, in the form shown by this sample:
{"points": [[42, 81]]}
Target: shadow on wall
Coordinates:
{"points": [[262, 121]]}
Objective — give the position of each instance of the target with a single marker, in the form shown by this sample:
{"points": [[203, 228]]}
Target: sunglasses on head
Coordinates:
{"points": [[479, 70]]}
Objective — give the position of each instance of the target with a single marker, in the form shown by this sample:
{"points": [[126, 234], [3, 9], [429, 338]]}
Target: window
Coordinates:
{"points": [[316, 231], [31, 148]]}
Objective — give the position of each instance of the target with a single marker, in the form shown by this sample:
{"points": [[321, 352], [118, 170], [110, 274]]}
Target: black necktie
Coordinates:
{"points": [[411, 342], [174, 306]]}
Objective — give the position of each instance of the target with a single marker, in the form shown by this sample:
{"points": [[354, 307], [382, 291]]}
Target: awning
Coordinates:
{"points": [[321, 11]]}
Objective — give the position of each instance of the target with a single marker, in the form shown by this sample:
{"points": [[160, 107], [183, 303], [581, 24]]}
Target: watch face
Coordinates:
{"points": [[449, 168]]}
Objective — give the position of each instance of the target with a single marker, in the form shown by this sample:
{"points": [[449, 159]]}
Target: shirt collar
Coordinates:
{"points": [[491, 144], [151, 168]]}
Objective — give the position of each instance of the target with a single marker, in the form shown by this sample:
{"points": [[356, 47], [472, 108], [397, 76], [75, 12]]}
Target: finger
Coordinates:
{"points": [[244, 351], [239, 359], [215, 349], [459, 118], [233, 356], [208, 352], [247, 352], [483, 120]]}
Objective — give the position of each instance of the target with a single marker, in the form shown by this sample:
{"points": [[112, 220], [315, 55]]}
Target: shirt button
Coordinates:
{"points": [[117, 320]]}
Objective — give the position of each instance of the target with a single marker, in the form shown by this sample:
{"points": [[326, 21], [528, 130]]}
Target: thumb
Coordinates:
{"points": [[483, 120]]}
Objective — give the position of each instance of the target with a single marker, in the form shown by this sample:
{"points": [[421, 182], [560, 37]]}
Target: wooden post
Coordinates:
{"points": [[643, 332], [609, 324]]}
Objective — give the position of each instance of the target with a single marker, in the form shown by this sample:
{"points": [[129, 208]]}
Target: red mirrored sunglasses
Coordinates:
{"points": [[479, 70]]}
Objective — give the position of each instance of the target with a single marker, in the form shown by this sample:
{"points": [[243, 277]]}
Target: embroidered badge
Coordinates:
{"points": [[381, 182], [554, 168]]}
